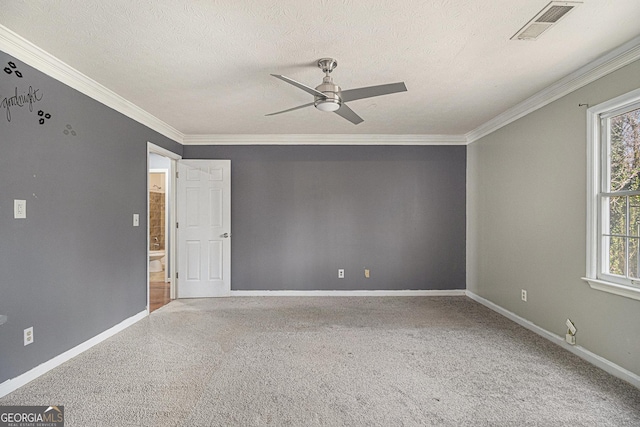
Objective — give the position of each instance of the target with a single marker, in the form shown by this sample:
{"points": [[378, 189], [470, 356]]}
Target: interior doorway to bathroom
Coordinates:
{"points": [[161, 166], [159, 284]]}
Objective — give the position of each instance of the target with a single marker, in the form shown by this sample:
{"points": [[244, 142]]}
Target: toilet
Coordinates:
{"points": [[155, 263]]}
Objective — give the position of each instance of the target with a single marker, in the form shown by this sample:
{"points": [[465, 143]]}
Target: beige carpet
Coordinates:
{"points": [[377, 361]]}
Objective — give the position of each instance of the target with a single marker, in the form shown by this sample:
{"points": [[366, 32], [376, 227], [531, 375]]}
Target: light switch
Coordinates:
{"points": [[19, 209], [136, 220]]}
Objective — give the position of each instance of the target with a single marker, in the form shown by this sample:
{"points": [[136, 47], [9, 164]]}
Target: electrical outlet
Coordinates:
{"points": [[524, 295], [367, 273], [19, 209], [28, 336], [571, 339], [341, 273]]}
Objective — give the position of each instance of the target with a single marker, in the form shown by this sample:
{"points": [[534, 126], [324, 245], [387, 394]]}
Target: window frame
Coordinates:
{"points": [[597, 183]]}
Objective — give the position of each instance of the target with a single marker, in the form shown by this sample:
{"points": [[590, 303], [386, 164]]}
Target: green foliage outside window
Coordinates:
{"points": [[624, 211]]}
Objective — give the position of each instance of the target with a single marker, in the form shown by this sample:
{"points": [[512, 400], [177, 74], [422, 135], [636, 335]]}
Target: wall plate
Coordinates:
{"points": [[19, 209], [28, 336]]}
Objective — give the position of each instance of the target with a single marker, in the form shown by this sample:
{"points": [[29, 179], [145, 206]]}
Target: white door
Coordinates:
{"points": [[204, 228]]}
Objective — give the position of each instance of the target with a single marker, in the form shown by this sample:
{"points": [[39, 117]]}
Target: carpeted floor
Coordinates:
{"points": [[335, 361]]}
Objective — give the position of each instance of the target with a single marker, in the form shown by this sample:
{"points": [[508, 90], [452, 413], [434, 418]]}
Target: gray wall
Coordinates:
{"points": [[76, 266], [526, 201], [301, 212]]}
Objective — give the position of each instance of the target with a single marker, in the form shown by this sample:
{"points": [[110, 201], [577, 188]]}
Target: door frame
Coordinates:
{"points": [[171, 259]]}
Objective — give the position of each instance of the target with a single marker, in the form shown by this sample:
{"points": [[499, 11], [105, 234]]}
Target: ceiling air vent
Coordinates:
{"points": [[547, 17]]}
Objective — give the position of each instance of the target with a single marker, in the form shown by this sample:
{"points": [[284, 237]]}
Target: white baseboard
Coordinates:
{"points": [[400, 293], [583, 353], [17, 382], [604, 364]]}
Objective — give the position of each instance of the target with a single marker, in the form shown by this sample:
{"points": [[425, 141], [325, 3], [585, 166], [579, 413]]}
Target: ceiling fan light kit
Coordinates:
{"points": [[331, 101], [328, 96], [327, 104]]}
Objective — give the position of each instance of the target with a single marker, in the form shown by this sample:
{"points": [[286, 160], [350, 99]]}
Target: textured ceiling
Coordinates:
{"points": [[203, 66]]}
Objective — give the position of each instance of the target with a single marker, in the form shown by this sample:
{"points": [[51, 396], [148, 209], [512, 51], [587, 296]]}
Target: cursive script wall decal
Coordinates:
{"points": [[26, 98]]}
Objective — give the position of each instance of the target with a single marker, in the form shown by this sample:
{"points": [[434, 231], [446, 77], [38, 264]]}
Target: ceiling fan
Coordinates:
{"points": [[329, 97]]}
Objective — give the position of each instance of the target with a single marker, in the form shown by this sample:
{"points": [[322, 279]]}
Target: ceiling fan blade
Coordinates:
{"points": [[290, 109], [347, 113], [305, 88], [371, 91]]}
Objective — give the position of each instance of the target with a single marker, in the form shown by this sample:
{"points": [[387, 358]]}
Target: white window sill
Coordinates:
{"points": [[614, 288]]}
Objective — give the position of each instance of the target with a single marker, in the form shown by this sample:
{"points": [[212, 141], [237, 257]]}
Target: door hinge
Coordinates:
{"points": [[177, 274], [177, 225], [177, 174]]}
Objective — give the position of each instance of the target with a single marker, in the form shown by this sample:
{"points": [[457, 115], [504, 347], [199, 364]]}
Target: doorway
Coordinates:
{"points": [[161, 213], [158, 220]]}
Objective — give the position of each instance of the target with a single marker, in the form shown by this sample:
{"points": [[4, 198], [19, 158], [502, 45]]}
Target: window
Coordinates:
{"points": [[613, 211]]}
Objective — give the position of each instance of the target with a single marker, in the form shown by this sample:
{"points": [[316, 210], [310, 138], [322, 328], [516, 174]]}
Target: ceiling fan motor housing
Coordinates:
{"points": [[332, 100]]}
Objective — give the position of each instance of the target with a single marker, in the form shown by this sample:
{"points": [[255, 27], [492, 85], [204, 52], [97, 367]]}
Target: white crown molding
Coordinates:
{"points": [[608, 63], [25, 51], [30, 54], [330, 139]]}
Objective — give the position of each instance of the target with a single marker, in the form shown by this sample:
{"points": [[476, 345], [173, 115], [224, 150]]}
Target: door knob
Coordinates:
{"points": [[226, 235]]}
